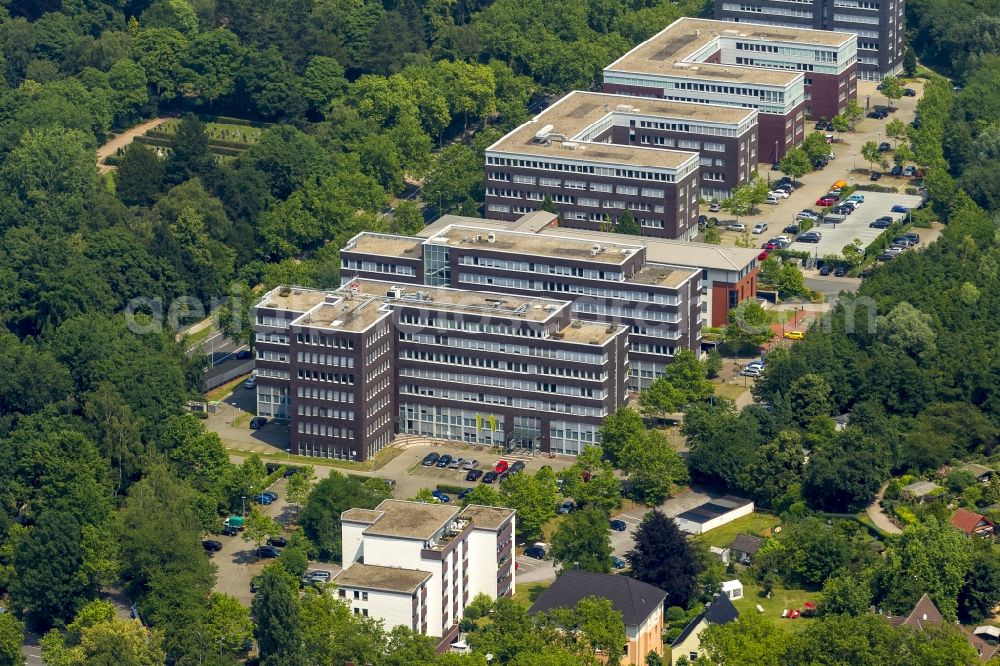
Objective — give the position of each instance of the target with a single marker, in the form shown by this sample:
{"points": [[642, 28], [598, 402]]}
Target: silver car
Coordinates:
{"points": [[471, 464]]}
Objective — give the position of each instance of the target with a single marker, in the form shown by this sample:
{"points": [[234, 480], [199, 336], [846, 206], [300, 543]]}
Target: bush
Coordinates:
{"points": [[445, 488]]}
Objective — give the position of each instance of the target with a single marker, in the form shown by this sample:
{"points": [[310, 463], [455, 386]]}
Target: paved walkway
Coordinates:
{"points": [[122, 140], [878, 516]]}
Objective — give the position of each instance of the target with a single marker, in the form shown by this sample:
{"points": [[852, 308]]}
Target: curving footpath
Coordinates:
{"points": [[122, 140], [878, 517]]}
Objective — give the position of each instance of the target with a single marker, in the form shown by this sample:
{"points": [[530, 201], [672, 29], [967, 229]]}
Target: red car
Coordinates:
{"points": [[825, 201], [501, 467]]}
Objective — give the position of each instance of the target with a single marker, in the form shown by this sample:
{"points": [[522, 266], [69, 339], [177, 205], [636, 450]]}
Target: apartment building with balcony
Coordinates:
{"points": [[372, 358], [584, 124], [880, 25], [419, 565], [785, 74]]}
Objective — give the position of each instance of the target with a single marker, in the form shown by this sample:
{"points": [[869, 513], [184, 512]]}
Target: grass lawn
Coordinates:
{"points": [[781, 598], [221, 392], [755, 523], [730, 391], [381, 458], [549, 528], [528, 592], [222, 131]]}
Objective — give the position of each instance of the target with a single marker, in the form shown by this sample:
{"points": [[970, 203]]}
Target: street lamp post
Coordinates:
{"points": [[244, 498]]}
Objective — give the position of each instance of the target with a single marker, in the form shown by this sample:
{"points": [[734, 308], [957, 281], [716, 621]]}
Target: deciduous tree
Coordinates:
{"points": [[278, 620], [582, 541]]}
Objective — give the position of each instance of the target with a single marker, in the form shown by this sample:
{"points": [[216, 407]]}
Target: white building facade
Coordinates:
{"points": [[419, 565]]}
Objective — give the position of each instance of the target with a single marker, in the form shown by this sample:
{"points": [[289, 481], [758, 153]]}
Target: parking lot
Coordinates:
{"points": [[836, 236], [849, 165]]}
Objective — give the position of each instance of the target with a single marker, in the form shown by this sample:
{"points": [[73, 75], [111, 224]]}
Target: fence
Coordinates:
{"points": [[218, 380]]}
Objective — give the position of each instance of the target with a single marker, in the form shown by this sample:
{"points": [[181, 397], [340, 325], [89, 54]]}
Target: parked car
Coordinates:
{"points": [[756, 363], [473, 475], [566, 506], [807, 214], [840, 272], [617, 525], [883, 222], [229, 530], [471, 464], [268, 551], [750, 372], [536, 552], [900, 208], [794, 335], [825, 270], [271, 495], [913, 237], [255, 583], [760, 228], [489, 477], [781, 194], [702, 220], [793, 228], [261, 499], [809, 237], [910, 171], [258, 422], [277, 542], [884, 147], [826, 201], [319, 576], [440, 496], [878, 114], [887, 256], [617, 562], [860, 198], [251, 383], [903, 241], [875, 175], [465, 493], [501, 466], [736, 226], [456, 463], [909, 92], [430, 459], [444, 461], [772, 201], [518, 466], [896, 171], [212, 545]]}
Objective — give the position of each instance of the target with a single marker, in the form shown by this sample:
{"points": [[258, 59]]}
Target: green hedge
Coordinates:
{"points": [[153, 141], [878, 188], [273, 476], [228, 152], [448, 488], [226, 120], [212, 143]]}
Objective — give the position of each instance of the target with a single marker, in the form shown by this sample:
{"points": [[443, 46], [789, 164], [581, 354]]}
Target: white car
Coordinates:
{"points": [[736, 226], [760, 228], [778, 193], [750, 371], [714, 208], [807, 216], [783, 239], [250, 383]]}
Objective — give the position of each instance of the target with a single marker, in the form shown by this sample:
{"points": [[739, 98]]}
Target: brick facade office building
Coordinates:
{"points": [[583, 123], [783, 73], [348, 368], [880, 25], [610, 282]]}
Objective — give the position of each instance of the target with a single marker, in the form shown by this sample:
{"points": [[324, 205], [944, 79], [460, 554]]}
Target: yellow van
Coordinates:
{"points": [[795, 335], [839, 185]]}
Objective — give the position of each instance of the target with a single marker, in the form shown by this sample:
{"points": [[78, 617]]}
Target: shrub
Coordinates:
{"points": [[446, 488]]}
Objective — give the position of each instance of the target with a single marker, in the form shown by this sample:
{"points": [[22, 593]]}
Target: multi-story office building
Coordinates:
{"points": [[419, 565], [583, 124], [610, 282], [728, 274], [782, 73], [879, 25], [485, 367]]}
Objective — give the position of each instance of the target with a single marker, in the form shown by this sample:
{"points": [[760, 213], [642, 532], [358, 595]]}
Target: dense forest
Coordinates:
{"points": [[108, 486]]}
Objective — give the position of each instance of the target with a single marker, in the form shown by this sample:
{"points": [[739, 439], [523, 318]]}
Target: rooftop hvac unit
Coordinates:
{"points": [[479, 238], [596, 249], [570, 145], [543, 134], [697, 33], [624, 107], [395, 292], [491, 238], [576, 324]]}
